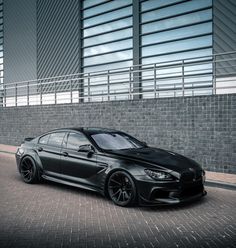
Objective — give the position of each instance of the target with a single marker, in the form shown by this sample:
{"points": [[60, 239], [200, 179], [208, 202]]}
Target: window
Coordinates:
{"points": [[75, 140], [44, 140], [108, 5], [109, 16], [175, 10], [110, 26], [110, 37], [56, 139], [116, 141]]}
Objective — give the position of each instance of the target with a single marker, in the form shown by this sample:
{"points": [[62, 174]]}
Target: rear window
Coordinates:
{"points": [[44, 140]]}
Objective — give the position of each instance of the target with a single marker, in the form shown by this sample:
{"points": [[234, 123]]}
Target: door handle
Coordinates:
{"points": [[65, 154], [40, 149]]}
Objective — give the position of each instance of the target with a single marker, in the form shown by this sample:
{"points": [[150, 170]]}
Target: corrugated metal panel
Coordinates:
{"points": [[19, 40], [224, 37], [57, 36]]}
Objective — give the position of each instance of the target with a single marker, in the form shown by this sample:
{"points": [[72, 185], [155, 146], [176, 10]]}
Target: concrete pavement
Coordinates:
{"points": [[53, 215]]}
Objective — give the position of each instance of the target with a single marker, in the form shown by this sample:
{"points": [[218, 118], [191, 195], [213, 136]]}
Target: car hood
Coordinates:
{"points": [[159, 158]]}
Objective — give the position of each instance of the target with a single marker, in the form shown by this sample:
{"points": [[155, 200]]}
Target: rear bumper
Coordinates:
{"points": [[154, 193]]}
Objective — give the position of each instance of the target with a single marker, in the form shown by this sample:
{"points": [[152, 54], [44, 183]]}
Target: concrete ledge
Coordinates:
{"points": [[217, 184]]}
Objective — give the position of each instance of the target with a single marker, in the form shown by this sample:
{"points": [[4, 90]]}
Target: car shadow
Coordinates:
{"points": [[93, 194]]}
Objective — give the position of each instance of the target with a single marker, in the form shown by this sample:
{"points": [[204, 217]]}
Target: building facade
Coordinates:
{"points": [[51, 38]]}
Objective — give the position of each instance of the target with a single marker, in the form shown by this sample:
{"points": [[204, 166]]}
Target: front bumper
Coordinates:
{"points": [[168, 192]]}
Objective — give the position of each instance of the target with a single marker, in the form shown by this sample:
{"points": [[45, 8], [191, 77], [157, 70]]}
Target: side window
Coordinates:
{"points": [[56, 139], [44, 140], [75, 140]]}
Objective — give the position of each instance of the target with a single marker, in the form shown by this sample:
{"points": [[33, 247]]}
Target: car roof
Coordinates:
{"points": [[89, 130]]}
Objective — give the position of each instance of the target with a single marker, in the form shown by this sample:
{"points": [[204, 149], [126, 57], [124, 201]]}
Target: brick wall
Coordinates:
{"points": [[203, 128]]}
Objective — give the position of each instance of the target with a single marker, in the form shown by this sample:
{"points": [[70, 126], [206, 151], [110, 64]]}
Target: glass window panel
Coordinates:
{"points": [[108, 26], [108, 16], [106, 6], [196, 69], [177, 56], [108, 58], [108, 37], [56, 139], [88, 3], [75, 140], [1, 40], [1, 53], [44, 140], [178, 33], [176, 9], [156, 4], [108, 47], [178, 21], [178, 46], [108, 66], [1, 20]]}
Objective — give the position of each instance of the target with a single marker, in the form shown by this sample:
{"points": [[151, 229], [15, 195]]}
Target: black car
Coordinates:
{"points": [[113, 163]]}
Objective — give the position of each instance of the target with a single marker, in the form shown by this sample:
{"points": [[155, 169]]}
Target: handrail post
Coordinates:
{"points": [[108, 85], [16, 94], [55, 93], [40, 93], [155, 82], [28, 93], [5, 95], [89, 87], [71, 96], [130, 85], [182, 77], [214, 75]]}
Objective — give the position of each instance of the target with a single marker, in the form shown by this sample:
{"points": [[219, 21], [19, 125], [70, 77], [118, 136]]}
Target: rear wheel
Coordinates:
{"points": [[121, 189], [28, 170]]}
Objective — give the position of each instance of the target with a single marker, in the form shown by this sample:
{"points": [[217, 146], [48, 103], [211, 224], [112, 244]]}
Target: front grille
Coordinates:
{"points": [[187, 176], [190, 176]]}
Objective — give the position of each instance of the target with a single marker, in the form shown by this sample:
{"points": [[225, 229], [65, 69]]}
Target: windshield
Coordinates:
{"points": [[116, 141]]}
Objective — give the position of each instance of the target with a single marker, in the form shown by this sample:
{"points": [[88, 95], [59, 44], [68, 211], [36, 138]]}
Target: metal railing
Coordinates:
{"points": [[213, 74]]}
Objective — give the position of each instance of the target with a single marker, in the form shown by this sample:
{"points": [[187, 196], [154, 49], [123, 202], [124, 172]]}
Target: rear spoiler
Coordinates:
{"points": [[28, 139]]}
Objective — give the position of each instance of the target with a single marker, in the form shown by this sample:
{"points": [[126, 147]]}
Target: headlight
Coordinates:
{"points": [[158, 175]]}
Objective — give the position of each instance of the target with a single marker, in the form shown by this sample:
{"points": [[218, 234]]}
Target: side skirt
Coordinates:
{"points": [[56, 180]]}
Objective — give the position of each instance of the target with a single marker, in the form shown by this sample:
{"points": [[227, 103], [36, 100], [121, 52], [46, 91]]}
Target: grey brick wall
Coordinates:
{"points": [[201, 127]]}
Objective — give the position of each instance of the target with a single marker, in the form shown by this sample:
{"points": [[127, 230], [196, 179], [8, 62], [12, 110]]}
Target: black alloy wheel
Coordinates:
{"points": [[121, 189], [28, 170]]}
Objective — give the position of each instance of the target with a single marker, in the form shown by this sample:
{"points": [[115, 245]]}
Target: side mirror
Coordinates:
{"points": [[86, 148]]}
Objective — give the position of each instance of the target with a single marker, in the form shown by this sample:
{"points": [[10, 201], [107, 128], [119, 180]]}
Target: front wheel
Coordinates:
{"points": [[121, 189], [28, 170]]}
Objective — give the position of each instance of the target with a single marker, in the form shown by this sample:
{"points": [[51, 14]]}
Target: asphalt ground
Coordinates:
{"points": [[54, 215]]}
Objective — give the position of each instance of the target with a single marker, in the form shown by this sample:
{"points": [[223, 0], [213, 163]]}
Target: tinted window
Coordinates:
{"points": [[75, 140], [44, 140], [116, 141], [56, 139]]}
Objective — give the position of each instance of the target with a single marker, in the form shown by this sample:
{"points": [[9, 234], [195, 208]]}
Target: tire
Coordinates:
{"points": [[121, 189], [28, 170]]}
